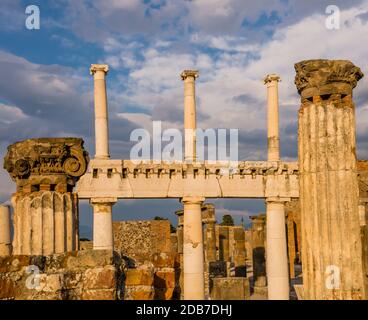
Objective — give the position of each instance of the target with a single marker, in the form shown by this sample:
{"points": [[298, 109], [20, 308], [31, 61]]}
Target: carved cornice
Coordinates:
{"points": [[321, 77], [46, 161]]}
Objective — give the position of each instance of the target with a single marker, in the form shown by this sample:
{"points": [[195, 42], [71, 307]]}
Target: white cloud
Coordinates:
{"points": [[10, 114], [154, 81]]}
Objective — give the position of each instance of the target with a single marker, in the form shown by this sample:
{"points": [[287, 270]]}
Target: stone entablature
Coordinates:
{"points": [[127, 179], [46, 163]]}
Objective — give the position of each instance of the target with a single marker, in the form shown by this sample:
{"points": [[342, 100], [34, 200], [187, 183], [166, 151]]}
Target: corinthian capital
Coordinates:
{"points": [[320, 77]]}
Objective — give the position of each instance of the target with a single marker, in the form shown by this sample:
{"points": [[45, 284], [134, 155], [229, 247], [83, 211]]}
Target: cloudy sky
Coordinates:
{"points": [[46, 89]]}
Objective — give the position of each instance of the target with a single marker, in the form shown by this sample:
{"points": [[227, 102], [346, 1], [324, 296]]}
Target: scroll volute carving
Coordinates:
{"points": [[55, 160]]}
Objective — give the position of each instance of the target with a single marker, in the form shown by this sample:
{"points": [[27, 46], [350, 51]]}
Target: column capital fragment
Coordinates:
{"points": [[277, 199], [189, 73], [98, 67], [271, 78], [104, 200], [193, 200]]}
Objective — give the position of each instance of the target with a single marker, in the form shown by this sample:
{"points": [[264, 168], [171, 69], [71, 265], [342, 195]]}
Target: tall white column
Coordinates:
{"points": [[193, 249], [102, 223], [189, 76], [276, 260], [5, 242], [99, 72], [273, 117]]}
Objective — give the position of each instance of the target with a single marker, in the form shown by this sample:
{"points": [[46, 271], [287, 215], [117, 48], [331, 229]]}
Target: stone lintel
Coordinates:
{"points": [[98, 67], [189, 73]]}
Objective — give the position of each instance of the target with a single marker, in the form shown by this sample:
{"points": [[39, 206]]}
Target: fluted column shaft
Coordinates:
{"points": [[331, 242], [44, 223]]}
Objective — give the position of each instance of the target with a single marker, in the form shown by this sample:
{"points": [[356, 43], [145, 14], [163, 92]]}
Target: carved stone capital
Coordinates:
{"points": [[189, 73], [271, 78], [323, 77], [99, 67], [46, 163]]}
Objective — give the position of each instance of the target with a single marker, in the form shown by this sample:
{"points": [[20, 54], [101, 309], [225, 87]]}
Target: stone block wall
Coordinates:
{"points": [[78, 275], [152, 259], [235, 288]]}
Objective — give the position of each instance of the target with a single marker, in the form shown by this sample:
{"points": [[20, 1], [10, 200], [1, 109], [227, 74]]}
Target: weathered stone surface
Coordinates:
{"points": [[164, 279], [85, 245], [45, 209], [320, 77], [139, 293], [101, 277], [46, 161], [99, 294], [91, 275], [329, 194], [230, 289], [139, 277], [258, 231], [153, 238]]}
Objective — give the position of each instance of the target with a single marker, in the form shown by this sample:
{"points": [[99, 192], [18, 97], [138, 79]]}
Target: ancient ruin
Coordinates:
{"points": [[311, 243]]}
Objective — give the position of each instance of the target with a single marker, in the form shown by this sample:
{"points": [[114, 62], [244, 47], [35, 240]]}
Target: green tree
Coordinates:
{"points": [[227, 220]]}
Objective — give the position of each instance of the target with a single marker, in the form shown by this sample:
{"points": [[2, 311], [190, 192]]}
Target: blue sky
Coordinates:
{"points": [[46, 89]]}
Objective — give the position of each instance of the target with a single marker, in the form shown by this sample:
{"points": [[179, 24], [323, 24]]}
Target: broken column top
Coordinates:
{"points": [[46, 161], [98, 67], [323, 77], [189, 73], [271, 77]]}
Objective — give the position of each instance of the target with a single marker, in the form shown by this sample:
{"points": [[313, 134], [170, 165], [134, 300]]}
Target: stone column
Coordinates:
{"points": [[189, 76], [103, 238], [331, 242], [45, 208], [99, 72], [193, 249], [277, 261], [273, 117], [291, 246], [239, 252], [5, 241], [209, 219], [179, 229], [258, 231], [224, 254], [180, 235], [362, 209]]}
